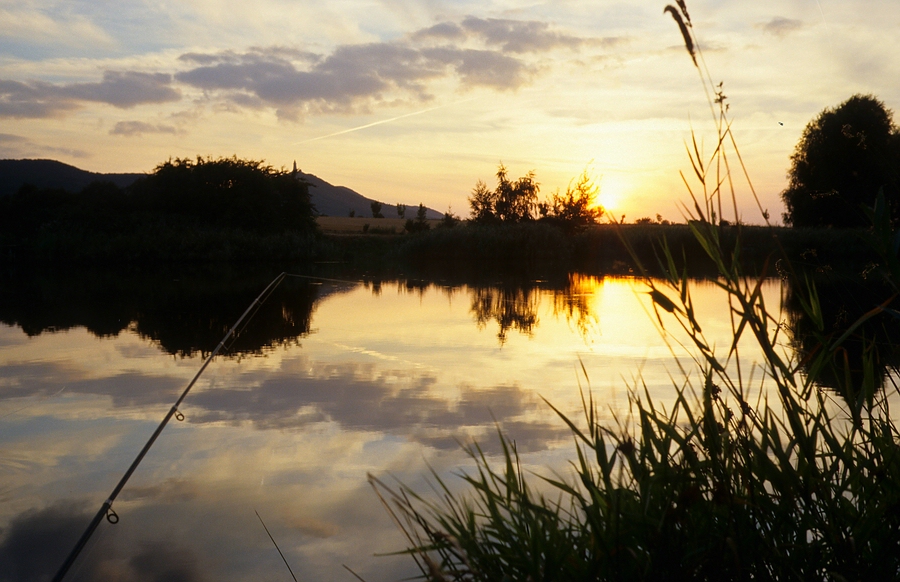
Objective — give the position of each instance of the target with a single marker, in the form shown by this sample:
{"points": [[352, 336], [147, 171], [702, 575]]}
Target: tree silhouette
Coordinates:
{"points": [[844, 157], [481, 203], [401, 210], [510, 201], [376, 209], [420, 224], [226, 193], [577, 207], [515, 201]]}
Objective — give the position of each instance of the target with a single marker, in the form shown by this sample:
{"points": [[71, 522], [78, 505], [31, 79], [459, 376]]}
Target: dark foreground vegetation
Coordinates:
{"points": [[777, 464]]}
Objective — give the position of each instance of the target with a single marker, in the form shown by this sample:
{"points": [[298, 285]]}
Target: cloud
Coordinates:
{"points": [[28, 24], [497, 54], [358, 397], [32, 100], [362, 397], [780, 26], [128, 389], [39, 99], [17, 146], [349, 79], [510, 36], [519, 36], [480, 68], [441, 31], [136, 128], [37, 541]]}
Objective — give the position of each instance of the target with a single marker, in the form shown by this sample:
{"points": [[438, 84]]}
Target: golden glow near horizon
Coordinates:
{"points": [[415, 104], [388, 382]]}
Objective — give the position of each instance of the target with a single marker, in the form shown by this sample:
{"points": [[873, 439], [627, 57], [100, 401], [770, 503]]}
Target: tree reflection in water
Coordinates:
{"points": [[185, 313], [511, 306], [511, 302], [863, 357]]}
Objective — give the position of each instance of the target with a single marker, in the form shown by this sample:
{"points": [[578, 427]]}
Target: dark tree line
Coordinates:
{"points": [[226, 193], [180, 199], [845, 156]]}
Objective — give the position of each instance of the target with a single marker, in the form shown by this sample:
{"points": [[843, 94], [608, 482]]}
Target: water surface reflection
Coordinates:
{"points": [[328, 381]]}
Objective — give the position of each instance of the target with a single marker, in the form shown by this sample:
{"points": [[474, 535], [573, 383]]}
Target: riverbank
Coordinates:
{"points": [[383, 244]]}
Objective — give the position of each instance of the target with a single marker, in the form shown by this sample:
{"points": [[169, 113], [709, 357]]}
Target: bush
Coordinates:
{"points": [[845, 156]]}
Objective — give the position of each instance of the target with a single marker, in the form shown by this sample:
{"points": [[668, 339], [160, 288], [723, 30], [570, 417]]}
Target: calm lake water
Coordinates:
{"points": [[330, 380]]}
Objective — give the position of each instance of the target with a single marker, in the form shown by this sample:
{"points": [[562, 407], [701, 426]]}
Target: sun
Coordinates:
{"points": [[611, 195]]}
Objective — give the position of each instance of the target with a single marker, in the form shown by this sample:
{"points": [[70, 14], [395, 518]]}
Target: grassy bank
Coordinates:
{"points": [[605, 248]]}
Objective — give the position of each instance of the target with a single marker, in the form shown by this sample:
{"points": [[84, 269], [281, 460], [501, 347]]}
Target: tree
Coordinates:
{"points": [[422, 214], [515, 201], [401, 210], [577, 207], [481, 203], [510, 201], [449, 219], [376, 209], [226, 193], [420, 224], [844, 157]]}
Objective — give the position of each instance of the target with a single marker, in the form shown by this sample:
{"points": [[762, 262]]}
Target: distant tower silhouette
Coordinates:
{"points": [[294, 173]]}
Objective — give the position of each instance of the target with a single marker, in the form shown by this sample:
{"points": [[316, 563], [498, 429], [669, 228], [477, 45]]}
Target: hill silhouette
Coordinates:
{"points": [[329, 200], [53, 174]]}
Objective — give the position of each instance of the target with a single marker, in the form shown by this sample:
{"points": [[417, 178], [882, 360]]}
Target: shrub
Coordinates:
{"points": [[844, 157]]}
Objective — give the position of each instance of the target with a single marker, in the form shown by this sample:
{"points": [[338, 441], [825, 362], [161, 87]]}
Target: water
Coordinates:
{"points": [[328, 382]]}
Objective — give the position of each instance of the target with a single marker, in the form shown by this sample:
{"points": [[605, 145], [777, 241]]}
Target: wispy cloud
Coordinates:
{"points": [[17, 146], [137, 128], [510, 36], [780, 26], [56, 27]]}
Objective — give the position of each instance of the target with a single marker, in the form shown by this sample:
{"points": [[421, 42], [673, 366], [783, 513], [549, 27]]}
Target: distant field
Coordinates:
{"points": [[357, 225]]}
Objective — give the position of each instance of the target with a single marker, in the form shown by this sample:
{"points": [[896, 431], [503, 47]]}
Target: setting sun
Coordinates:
{"points": [[611, 195]]}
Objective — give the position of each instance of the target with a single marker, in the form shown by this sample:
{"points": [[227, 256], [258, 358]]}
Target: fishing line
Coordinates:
{"points": [[38, 401], [106, 509]]}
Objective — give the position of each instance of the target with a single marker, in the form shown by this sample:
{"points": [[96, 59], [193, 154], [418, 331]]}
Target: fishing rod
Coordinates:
{"points": [[106, 509]]}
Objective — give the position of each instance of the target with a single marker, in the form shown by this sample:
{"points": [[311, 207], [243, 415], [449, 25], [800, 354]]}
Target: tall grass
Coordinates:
{"points": [[795, 482]]}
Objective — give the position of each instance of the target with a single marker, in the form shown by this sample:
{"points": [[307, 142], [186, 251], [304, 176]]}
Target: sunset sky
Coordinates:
{"points": [[414, 100]]}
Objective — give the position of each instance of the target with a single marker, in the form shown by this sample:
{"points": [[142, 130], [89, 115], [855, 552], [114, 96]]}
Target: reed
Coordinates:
{"points": [[739, 480]]}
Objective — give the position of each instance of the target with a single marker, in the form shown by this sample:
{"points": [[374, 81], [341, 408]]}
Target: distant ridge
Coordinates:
{"points": [[331, 200], [53, 174], [328, 199]]}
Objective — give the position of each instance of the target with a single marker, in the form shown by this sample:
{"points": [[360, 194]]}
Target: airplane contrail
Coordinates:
{"points": [[382, 121], [822, 12]]}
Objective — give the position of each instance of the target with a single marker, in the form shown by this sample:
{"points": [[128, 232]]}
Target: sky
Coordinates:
{"points": [[414, 101]]}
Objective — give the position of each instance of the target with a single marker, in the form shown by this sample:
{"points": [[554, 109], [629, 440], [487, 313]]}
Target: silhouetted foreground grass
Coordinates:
{"points": [[757, 472], [799, 483]]}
